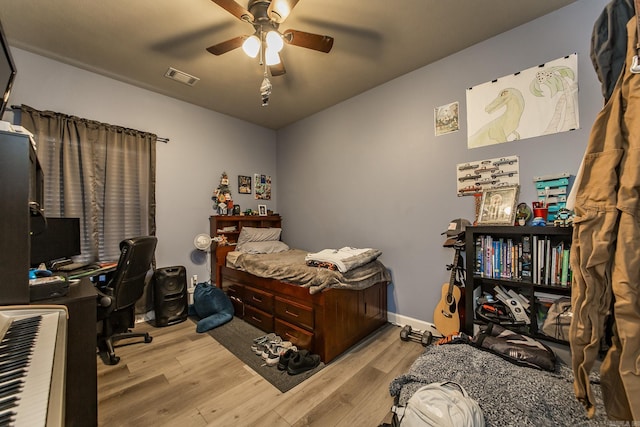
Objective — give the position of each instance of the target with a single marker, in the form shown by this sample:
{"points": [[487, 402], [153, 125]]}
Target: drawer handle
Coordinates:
{"points": [[290, 313], [256, 299], [256, 319], [288, 335]]}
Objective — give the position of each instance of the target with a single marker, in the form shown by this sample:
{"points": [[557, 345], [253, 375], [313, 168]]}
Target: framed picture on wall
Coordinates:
{"points": [[262, 210], [244, 184], [446, 118], [498, 206]]}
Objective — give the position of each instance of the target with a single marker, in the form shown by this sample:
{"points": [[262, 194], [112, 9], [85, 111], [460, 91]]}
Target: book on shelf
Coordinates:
{"points": [[564, 275], [547, 262], [546, 297], [532, 258], [526, 259], [478, 270]]}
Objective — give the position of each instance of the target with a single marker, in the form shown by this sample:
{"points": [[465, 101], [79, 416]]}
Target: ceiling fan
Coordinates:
{"points": [[266, 16]]}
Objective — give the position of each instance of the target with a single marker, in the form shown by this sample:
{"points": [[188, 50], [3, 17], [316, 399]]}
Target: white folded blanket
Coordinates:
{"points": [[345, 258]]}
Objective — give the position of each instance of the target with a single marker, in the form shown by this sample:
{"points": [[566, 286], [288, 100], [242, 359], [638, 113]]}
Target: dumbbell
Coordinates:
{"points": [[423, 337]]}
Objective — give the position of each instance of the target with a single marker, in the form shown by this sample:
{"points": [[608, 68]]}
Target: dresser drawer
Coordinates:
{"points": [[301, 338], [294, 313], [258, 299], [235, 293], [258, 318]]}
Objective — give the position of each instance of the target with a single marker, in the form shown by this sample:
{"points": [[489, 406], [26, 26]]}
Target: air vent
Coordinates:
{"points": [[181, 76]]}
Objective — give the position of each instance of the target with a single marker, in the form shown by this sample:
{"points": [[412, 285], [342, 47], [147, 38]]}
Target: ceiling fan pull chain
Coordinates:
{"points": [[262, 61], [265, 89]]}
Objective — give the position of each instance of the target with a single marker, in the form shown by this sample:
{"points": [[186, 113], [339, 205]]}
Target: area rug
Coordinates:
{"points": [[237, 337], [508, 395]]}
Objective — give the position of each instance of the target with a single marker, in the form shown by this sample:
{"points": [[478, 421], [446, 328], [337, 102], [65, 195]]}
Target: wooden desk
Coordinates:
{"points": [[81, 396], [92, 273]]}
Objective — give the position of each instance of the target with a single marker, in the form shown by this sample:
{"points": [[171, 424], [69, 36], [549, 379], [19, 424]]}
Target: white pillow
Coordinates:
{"points": [[268, 247], [255, 234]]}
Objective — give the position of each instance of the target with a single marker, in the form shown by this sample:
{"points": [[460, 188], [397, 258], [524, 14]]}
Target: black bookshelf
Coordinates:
{"points": [[503, 266]]}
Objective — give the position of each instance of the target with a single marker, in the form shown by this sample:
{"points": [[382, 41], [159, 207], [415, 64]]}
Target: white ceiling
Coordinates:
{"points": [[136, 41]]}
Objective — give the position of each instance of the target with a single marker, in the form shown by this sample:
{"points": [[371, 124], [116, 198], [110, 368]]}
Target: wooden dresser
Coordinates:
{"points": [[230, 226], [326, 323]]}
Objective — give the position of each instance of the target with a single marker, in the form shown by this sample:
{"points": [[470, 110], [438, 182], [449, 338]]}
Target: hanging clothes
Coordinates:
{"points": [[605, 255], [609, 43]]}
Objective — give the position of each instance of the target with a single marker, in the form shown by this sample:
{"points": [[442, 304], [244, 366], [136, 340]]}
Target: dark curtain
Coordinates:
{"points": [[100, 173]]}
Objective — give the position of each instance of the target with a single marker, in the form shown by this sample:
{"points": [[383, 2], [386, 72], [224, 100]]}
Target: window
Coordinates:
{"points": [[101, 173]]}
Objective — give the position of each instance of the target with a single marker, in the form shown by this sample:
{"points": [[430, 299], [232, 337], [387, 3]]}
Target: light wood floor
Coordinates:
{"points": [[187, 379]]}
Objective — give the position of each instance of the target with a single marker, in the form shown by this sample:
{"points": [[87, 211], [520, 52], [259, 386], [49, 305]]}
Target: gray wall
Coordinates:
{"points": [[370, 172], [202, 145], [365, 173]]}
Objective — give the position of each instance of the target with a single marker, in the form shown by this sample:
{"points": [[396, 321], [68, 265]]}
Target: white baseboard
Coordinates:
{"points": [[421, 325]]}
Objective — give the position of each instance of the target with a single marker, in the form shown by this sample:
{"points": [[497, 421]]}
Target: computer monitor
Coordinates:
{"points": [[60, 240]]}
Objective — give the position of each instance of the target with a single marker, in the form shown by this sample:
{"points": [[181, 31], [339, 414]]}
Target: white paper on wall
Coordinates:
{"points": [[538, 101]]}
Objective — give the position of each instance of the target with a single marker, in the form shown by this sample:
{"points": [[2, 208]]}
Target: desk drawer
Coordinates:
{"points": [[259, 299], [258, 318], [294, 313], [298, 336]]}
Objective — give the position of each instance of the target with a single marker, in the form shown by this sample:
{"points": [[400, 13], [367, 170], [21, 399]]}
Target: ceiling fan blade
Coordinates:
{"points": [[226, 46], [277, 69], [235, 9], [308, 40], [279, 9]]}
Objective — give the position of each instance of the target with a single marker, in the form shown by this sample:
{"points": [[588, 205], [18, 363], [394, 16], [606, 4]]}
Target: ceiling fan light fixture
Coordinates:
{"points": [[271, 57], [274, 41], [251, 46]]}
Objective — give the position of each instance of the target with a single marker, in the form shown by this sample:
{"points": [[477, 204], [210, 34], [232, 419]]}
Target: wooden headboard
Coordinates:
{"points": [[230, 226]]}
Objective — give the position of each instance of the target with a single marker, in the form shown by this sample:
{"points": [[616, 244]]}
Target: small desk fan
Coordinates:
{"points": [[202, 242]]}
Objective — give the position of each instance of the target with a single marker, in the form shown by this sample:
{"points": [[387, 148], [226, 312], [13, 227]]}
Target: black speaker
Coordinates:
{"points": [[170, 295]]}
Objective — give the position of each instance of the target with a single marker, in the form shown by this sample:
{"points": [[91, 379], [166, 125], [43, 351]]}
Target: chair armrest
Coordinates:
{"points": [[105, 301]]}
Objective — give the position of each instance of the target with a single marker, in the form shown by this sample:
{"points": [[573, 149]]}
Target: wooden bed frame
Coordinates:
{"points": [[326, 323]]}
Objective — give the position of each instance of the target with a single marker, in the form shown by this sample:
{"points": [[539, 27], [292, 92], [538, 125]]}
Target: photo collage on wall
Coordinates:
{"points": [[262, 185], [475, 177]]}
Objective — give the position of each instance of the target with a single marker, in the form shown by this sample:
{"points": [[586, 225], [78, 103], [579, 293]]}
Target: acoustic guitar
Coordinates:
{"points": [[449, 312]]}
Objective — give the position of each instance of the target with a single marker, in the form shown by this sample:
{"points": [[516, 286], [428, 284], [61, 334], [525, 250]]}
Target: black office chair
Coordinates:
{"points": [[117, 299]]}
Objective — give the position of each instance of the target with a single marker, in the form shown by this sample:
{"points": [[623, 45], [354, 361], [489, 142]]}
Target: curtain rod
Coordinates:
{"points": [[17, 107]]}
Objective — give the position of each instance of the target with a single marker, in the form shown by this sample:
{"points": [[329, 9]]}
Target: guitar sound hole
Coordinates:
{"points": [[451, 302]]}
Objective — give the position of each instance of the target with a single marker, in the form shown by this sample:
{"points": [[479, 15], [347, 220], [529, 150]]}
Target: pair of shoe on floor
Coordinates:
{"points": [[270, 347], [296, 362]]}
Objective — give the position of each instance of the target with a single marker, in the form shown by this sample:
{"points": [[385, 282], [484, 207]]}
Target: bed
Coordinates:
{"points": [[322, 310], [508, 394]]}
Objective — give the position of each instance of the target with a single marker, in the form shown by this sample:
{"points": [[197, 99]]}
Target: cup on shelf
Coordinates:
{"points": [[540, 210]]}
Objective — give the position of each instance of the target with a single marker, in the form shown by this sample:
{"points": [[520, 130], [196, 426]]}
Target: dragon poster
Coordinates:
{"points": [[541, 100]]}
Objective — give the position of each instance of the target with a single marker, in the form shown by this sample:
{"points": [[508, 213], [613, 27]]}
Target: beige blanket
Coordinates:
{"points": [[290, 267], [344, 259]]}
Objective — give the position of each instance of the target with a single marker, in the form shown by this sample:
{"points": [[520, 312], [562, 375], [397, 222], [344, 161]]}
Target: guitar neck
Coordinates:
{"points": [[453, 270]]}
